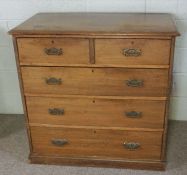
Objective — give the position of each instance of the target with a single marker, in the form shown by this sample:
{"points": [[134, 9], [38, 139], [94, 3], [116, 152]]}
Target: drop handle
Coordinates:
{"points": [[53, 51], [53, 81], [134, 83], [56, 111], [132, 52], [59, 142], [131, 145], [133, 114]]}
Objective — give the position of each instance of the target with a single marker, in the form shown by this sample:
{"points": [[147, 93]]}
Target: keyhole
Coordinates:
{"points": [[93, 101], [52, 41], [92, 70], [132, 42], [94, 131]]}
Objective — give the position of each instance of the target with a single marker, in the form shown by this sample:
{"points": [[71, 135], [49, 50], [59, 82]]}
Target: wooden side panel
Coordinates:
{"points": [[22, 92], [95, 81], [96, 112], [152, 51], [32, 51], [170, 77], [96, 143]]}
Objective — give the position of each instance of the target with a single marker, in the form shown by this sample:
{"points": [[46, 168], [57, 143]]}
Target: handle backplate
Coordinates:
{"points": [[59, 142], [53, 51], [131, 145], [134, 83], [56, 111], [133, 114], [132, 52], [53, 81]]}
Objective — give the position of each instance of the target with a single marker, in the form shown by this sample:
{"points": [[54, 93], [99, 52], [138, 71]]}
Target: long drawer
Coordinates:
{"points": [[53, 51], [132, 51], [96, 112], [95, 81], [119, 144]]}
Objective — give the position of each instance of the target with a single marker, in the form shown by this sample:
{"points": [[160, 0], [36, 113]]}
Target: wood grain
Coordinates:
{"points": [[97, 97], [95, 81], [153, 52], [98, 23], [95, 162], [97, 127], [92, 51], [96, 143], [46, 64], [96, 112], [93, 90], [170, 83], [100, 36], [74, 51], [22, 92]]}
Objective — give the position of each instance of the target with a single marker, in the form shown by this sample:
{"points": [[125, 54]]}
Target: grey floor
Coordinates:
{"points": [[14, 153]]}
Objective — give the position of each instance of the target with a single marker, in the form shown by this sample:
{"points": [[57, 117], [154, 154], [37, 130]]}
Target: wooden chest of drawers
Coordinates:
{"points": [[95, 87]]}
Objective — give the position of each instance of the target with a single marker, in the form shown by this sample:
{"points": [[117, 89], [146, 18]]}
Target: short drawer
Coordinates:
{"points": [[53, 51], [96, 112], [49, 141], [95, 81], [132, 52]]}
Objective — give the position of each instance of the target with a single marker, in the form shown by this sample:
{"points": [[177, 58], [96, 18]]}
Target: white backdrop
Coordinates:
{"points": [[13, 12]]}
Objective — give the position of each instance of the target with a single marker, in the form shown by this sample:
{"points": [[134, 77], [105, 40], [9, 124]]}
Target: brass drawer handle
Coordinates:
{"points": [[56, 111], [131, 52], [53, 81], [59, 142], [133, 114], [131, 145], [135, 83], [53, 51]]}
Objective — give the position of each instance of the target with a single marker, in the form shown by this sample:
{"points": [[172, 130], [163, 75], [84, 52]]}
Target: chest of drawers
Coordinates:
{"points": [[95, 87]]}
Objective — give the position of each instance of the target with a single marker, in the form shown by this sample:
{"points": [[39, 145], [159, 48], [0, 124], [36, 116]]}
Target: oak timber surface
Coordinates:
{"points": [[96, 112], [95, 81], [98, 23], [124, 63], [73, 51], [107, 51], [152, 52], [96, 142]]}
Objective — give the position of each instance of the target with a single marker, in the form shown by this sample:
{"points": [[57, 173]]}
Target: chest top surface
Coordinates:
{"points": [[98, 24]]}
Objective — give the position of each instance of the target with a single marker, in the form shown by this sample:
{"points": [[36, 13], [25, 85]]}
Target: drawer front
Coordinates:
{"points": [[96, 112], [132, 51], [53, 51], [96, 142], [95, 81]]}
